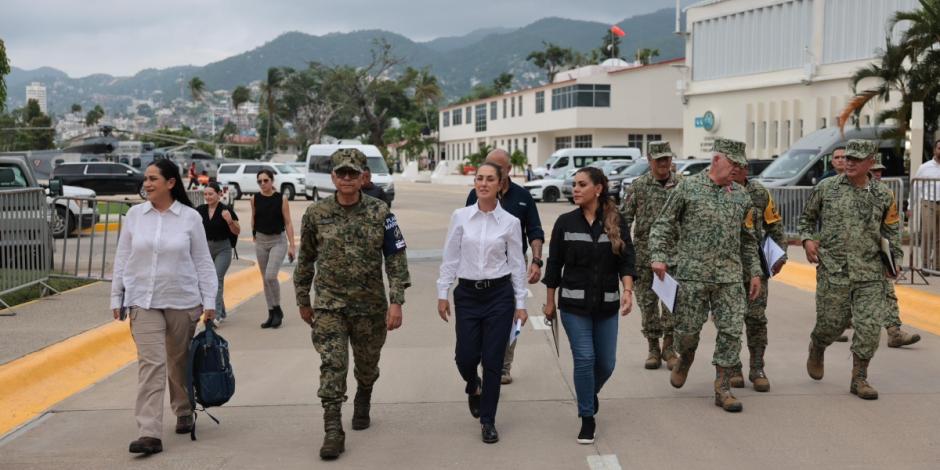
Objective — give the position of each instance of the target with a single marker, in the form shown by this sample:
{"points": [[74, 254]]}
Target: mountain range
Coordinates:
{"points": [[459, 62]]}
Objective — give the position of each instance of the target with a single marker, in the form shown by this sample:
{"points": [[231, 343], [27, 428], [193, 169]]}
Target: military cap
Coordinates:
{"points": [[348, 158], [878, 165], [860, 149], [660, 149], [733, 149]]}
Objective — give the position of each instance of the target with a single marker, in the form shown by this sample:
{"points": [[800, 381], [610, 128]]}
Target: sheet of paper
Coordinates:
{"points": [[772, 253], [515, 331], [666, 290]]}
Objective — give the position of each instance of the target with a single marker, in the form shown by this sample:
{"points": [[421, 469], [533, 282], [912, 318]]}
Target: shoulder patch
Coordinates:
{"points": [[749, 220], [771, 215], [393, 241], [891, 216]]}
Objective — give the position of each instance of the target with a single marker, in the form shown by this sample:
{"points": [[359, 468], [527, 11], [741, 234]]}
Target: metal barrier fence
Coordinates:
{"points": [[25, 241], [925, 225], [790, 201]]}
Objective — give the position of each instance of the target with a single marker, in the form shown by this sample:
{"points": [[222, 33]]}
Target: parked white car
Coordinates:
{"points": [[546, 190], [241, 178], [320, 167]]}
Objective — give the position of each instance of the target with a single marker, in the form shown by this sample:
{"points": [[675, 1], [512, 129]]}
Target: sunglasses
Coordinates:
{"points": [[347, 173], [263, 180]]}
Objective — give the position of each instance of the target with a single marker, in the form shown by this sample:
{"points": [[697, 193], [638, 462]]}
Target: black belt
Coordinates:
{"points": [[483, 284]]}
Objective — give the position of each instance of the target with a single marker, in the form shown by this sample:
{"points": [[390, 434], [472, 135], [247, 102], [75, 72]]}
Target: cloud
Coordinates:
{"points": [[122, 37]]}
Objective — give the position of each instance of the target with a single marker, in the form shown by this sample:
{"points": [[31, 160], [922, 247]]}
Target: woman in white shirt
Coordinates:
{"points": [[164, 274], [483, 252]]}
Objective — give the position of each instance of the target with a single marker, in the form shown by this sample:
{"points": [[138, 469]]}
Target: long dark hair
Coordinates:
{"points": [[169, 170], [608, 207]]}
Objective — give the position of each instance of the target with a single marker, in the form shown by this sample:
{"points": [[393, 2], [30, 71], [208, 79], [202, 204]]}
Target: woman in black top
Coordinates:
{"points": [[222, 229], [270, 218], [589, 257]]}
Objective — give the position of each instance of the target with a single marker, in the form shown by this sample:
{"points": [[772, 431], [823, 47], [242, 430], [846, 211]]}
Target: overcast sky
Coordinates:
{"points": [[121, 37]]}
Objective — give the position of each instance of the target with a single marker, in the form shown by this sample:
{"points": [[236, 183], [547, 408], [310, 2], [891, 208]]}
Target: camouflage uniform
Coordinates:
{"points": [[767, 222], [343, 248], [711, 227]]}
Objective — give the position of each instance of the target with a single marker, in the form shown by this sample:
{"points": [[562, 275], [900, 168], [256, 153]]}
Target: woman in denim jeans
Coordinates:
{"points": [[590, 256]]}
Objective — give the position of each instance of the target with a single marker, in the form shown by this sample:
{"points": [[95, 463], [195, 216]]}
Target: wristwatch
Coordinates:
{"points": [[538, 262]]}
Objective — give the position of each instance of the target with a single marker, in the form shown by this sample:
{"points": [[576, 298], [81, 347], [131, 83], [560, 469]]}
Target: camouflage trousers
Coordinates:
{"points": [[893, 317], [840, 302], [755, 319], [333, 332], [657, 320], [728, 302]]}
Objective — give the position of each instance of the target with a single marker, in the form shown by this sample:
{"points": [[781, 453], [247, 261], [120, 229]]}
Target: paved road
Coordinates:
{"points": [[420, 418]]}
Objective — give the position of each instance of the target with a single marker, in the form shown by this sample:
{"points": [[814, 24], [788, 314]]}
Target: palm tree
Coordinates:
{"points": [[240, 95], [269, 91], [645, 55], [427, 93], [197, 89], [923, 32], [890, 74]]}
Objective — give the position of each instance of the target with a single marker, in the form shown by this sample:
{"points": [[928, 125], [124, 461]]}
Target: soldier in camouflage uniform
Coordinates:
{"points": [[896, 336], [643, 201], [708, 218], [344, 241], [767, 223], [856, 213]]}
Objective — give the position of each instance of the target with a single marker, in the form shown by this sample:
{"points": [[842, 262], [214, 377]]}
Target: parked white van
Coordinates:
{"points": [[564, 160], [319, 167], [242, 178]]}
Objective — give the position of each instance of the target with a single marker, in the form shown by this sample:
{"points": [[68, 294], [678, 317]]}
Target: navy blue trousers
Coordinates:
{"points": [[483, 319]]}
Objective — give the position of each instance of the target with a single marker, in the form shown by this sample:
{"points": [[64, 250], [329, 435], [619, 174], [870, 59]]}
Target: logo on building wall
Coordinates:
{"points": [[708, 121]]}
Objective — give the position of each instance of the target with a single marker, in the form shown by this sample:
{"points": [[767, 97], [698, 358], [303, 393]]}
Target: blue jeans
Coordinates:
{"points": [[594, 353]]}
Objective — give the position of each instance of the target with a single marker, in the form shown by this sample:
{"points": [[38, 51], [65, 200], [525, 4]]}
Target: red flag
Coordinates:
{"points": [[616, 30]]}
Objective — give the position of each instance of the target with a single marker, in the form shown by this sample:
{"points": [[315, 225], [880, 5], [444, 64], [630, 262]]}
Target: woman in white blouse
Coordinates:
{"points": [[483, 252], [163, 273]]}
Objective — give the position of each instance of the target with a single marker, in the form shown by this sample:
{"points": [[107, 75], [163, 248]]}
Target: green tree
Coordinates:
{"points": [[409, 139], [94, 116], [610, 46], [502, 83], [4, 71], [312, 97], [645, 55], [477, 158], [76, 108], [197, 89], [552, 59], [269, 91], [427, 94], [145, 110], [518, 160]]}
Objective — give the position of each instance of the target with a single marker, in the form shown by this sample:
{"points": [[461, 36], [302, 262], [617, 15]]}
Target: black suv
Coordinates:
{"points": [[103, 177]]}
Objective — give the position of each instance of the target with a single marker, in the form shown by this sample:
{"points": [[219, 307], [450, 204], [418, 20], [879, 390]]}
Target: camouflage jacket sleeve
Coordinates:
{"points": [[810, 217], [396, 268], [891, 229], [749, 245], [306, 260], [665, 230], [773, 225], [628, 209]]}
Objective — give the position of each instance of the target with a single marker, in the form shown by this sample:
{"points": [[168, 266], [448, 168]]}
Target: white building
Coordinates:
{"points": [[768, 72], [36, 91], [618, 105]]}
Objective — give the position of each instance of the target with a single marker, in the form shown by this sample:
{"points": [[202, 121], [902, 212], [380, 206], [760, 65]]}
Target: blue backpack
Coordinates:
{"points": [[210, 376]]}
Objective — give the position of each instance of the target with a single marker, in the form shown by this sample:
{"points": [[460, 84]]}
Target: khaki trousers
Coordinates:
{"points": [[162, 338]]}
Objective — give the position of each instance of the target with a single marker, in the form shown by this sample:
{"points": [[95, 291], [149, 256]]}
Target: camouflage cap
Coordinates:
{"points": [[733, 149], [860, 149], [348, 158], [878, 165], [660, 149]]}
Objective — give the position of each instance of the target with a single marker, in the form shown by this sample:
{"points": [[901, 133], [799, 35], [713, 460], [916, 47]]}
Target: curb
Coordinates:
{"points": [[37, 381]]}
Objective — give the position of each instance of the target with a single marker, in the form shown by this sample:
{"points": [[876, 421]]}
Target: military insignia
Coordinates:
{"points": [[770, 212], [892, 217], [749, 220], [393, 241]]}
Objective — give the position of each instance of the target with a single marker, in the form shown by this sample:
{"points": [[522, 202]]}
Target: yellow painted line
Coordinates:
{"points": [[33, 383], [102, 227], [918, 308]]}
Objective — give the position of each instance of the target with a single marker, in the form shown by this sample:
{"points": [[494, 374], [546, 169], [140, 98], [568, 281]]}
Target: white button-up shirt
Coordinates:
{"points": [[163, 260], [483, 245], [929, 190]]}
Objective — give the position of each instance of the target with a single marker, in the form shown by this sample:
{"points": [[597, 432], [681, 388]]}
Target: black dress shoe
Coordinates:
{"points": [[490, 436], [474, 402], [146, 445], [184, 424]]}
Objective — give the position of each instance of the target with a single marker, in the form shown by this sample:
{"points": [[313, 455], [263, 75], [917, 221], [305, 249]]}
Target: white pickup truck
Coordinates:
{"points": [[15, 173]]}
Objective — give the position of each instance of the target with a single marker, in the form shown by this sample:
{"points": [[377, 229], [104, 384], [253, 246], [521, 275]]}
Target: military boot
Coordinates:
{"points": [[737, 377], [334, 440], [814, 365], [669, 352], [756, 375], [723, 396], [655, 358], [361, 405], [681, 371], [898, 337], [860, 384]]}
